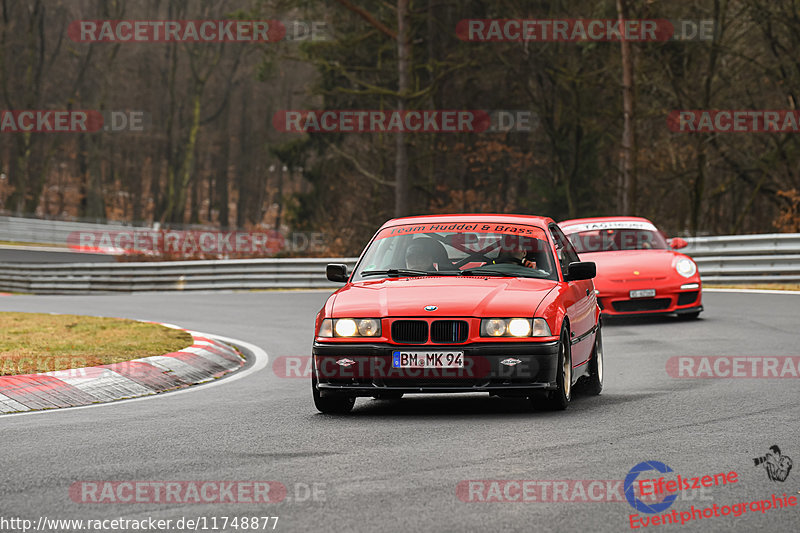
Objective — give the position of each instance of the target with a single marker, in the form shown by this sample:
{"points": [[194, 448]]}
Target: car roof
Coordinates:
{"points": [[576, 221], [541, 222]]}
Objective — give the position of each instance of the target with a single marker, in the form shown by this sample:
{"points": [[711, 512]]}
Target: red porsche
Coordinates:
{"points": [[638, 270], [460, 303]]}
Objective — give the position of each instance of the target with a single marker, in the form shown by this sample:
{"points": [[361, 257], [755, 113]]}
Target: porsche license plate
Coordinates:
{"points": [[434, 359], [643, 293]]}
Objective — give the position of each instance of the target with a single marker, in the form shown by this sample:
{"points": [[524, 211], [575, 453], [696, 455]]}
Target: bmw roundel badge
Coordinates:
{"points": [[431, 308]]}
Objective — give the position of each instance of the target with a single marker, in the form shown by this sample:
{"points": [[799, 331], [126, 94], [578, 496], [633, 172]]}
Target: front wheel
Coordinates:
{"points": [[331, 405], [558, 399]]}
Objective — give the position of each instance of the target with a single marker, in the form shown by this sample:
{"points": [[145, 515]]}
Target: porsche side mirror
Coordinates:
{"points": [[677, 243], [581, 270], [336, 272]]}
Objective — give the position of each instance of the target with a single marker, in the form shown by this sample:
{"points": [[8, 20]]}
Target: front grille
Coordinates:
{"points": [[686, 298], [410, 331], [449, 331], [649, 304]]}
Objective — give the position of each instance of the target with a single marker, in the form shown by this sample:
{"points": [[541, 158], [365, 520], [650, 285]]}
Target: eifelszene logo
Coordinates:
{"points": [[777, 466], [630, 484]]}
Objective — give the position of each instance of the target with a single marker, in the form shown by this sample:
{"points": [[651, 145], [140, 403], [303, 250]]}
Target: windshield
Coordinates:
{"points": [[610, 240], [443, 249]]}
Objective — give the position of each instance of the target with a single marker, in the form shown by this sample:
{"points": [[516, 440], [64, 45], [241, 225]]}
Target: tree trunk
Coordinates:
{"points": [[401, 158], [627, 164]]}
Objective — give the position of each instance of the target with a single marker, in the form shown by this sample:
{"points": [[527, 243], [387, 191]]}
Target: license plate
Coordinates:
{"points": [[427, 359], [643, 293]]}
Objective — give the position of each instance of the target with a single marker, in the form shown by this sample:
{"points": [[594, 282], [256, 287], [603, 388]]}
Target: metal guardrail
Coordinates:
{"points": [[765, 258], [726, 259], [40, 231], [240, 274]]}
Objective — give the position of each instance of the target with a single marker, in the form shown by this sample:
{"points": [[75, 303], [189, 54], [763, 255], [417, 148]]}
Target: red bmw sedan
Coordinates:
{"points": [[499, 304], [638, 271]]}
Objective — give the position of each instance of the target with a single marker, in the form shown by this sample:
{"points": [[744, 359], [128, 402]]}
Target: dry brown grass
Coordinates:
{"points": [[39, 342]]}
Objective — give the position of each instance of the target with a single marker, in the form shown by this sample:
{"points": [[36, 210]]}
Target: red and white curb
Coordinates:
{"points": [[205, 360]]}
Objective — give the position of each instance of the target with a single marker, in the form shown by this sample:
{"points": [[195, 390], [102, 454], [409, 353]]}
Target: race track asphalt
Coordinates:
{"points": [[394, 466]]}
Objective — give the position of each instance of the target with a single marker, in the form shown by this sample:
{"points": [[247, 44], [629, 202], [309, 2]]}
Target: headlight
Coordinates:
{"points": [[494, 327], [686, 267], [350, 327], [514, 327], [519, 327], [345, 327]]}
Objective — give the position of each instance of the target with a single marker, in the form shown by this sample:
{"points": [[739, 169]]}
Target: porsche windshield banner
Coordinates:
{"points": [[623, 224]]}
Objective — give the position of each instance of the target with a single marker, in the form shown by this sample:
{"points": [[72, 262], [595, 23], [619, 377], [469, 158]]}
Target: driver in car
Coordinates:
{"points": [[419, 258], [514, 250]]}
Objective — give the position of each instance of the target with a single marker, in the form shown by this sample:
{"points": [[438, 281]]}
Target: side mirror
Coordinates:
{"points": [[677, 243], [336, 272], [581, 270]]}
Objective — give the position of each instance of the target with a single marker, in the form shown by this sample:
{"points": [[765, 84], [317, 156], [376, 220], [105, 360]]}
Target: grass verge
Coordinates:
{"points": [[40, 342]]}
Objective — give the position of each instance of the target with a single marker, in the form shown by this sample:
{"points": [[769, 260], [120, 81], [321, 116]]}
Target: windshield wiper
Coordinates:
{"points": [[397, 272], [482, 272]]}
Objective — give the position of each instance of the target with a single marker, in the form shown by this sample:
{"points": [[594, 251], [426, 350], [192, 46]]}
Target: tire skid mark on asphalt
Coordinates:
{"points": [[205, 360]]}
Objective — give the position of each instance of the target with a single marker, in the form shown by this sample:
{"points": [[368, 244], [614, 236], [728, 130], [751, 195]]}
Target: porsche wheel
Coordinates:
{"points": [[331, 405], [558, 399]]}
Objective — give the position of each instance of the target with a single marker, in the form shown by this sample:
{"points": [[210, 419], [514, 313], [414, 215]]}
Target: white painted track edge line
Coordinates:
{"points": [[261, 359], [751, 291]]}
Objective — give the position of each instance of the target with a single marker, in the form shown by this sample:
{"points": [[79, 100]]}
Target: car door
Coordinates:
{"points": [[580, 301]]}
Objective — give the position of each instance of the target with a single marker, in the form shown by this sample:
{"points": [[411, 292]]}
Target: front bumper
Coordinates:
{"points": [[372, 373], [666, 301]]}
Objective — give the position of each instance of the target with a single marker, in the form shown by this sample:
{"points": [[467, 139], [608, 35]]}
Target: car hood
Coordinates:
{"points": [[622, 265], [453, 296]]}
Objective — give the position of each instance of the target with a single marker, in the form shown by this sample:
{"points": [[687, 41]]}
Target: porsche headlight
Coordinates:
{"points": [[514, 327], [350, 327], [686, 267]]}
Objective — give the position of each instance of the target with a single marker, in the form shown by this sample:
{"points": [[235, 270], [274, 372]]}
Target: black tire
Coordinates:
{"points": [[593, 384], [331, 405], [388, 396], [558, 399]]}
